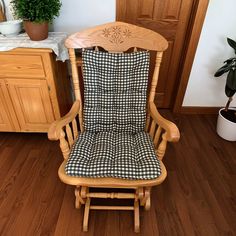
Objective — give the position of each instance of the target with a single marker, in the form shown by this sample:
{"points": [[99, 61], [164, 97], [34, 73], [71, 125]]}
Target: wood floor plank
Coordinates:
{"points": [[197, 198], [12, 201], [32, 218]]}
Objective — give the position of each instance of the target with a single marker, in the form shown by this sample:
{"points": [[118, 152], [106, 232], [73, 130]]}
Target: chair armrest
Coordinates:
{"points": [[56, 127], [172, 132]]}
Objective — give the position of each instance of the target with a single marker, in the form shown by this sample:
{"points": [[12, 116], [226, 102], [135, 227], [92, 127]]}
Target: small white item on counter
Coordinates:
{"points": [[11, 28]]}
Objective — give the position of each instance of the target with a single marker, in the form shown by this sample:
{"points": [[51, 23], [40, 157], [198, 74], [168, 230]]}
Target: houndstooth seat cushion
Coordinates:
{"points": [[114, 143], [113, 154]]}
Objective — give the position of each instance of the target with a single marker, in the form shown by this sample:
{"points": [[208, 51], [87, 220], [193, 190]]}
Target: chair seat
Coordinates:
{"points": [[113, 154]]}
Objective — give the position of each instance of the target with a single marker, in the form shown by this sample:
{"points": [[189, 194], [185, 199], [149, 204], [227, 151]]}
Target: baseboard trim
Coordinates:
{"points": [[199, 110]]}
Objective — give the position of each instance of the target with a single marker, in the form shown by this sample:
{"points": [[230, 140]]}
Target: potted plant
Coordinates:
{"points": [[36, 15], [226, 123]]}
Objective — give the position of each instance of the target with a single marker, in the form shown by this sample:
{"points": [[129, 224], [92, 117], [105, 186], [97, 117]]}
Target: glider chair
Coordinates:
{"points": [[113, 137]]}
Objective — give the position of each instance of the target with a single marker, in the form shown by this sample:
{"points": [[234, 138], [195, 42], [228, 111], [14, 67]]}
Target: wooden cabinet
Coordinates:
{"points": [[31, 101], [6, 123], [34, 90]]}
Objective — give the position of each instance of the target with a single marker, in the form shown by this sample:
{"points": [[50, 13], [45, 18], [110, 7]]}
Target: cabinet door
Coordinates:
{"points": [[6, 123], [32, 103]]}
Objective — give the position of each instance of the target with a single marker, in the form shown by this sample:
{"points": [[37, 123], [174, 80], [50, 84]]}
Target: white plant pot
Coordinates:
{"points": [[226, 129]]}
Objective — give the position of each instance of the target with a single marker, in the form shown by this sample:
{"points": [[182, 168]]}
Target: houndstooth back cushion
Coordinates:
{"points": [[115, 86]]}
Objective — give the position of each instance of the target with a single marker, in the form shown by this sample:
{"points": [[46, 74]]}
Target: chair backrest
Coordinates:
{"points": [[116, 37]]}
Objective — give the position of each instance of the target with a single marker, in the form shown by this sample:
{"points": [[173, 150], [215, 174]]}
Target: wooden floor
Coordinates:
{"points": [[198, 197]]}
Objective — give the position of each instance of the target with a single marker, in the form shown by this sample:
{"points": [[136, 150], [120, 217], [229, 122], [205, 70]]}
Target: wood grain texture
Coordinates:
{"points": [[76, 83], [113, 37], [2, 15], [33, 90], [171, 129], [56, 132], [7, 110], [6, 123], [117, 37], [198, 110], [170, 19], [197, 198], [55, 129], [109, 182], [23, 66], [32, 103]]}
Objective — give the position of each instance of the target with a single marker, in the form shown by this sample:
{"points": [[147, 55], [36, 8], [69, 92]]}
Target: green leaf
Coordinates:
{"points": [[232, 43], [231, 79], [229, 92], [36, 10], [223, 70], [230, 60]]}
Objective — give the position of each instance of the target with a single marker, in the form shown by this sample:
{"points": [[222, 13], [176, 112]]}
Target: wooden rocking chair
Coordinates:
{"points": [[116, 38]]}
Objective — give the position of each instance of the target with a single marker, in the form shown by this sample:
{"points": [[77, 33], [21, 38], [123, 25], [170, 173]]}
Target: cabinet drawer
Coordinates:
{"points": [[22, 66]]}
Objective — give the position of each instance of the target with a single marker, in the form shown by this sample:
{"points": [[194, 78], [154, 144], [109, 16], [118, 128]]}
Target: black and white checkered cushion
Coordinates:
{"points": [[113, 154], [114, 143], [115, 86]]}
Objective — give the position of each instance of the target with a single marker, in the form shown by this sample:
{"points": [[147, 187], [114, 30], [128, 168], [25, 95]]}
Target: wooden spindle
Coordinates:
{"points": [[112, 195], [162, 147], [152, 129], [148, 120], [69, 135], [146, 195], [140, 193], [78, 199], [155, 77], [157, 136], [75, 129], [86, 214], [136, 217], [84, 191], [147, 204], [75, 77], [126, 208], [64, 145]]}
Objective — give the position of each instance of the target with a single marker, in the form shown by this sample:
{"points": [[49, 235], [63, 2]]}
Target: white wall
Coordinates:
{"points": [[203, 88], [80, 14], [8, 12], [220, 22], [76, 15]]}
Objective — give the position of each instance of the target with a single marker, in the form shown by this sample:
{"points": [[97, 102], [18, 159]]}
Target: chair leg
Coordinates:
{"points": [[147, 205], [86, 214], [146, 199], [78, 199], [84, 191], [136, 216], [142, 197]]}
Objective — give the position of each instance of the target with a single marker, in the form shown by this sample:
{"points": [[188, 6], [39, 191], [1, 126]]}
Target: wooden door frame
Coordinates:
{"points": [[196, 21], [192, 38]]}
